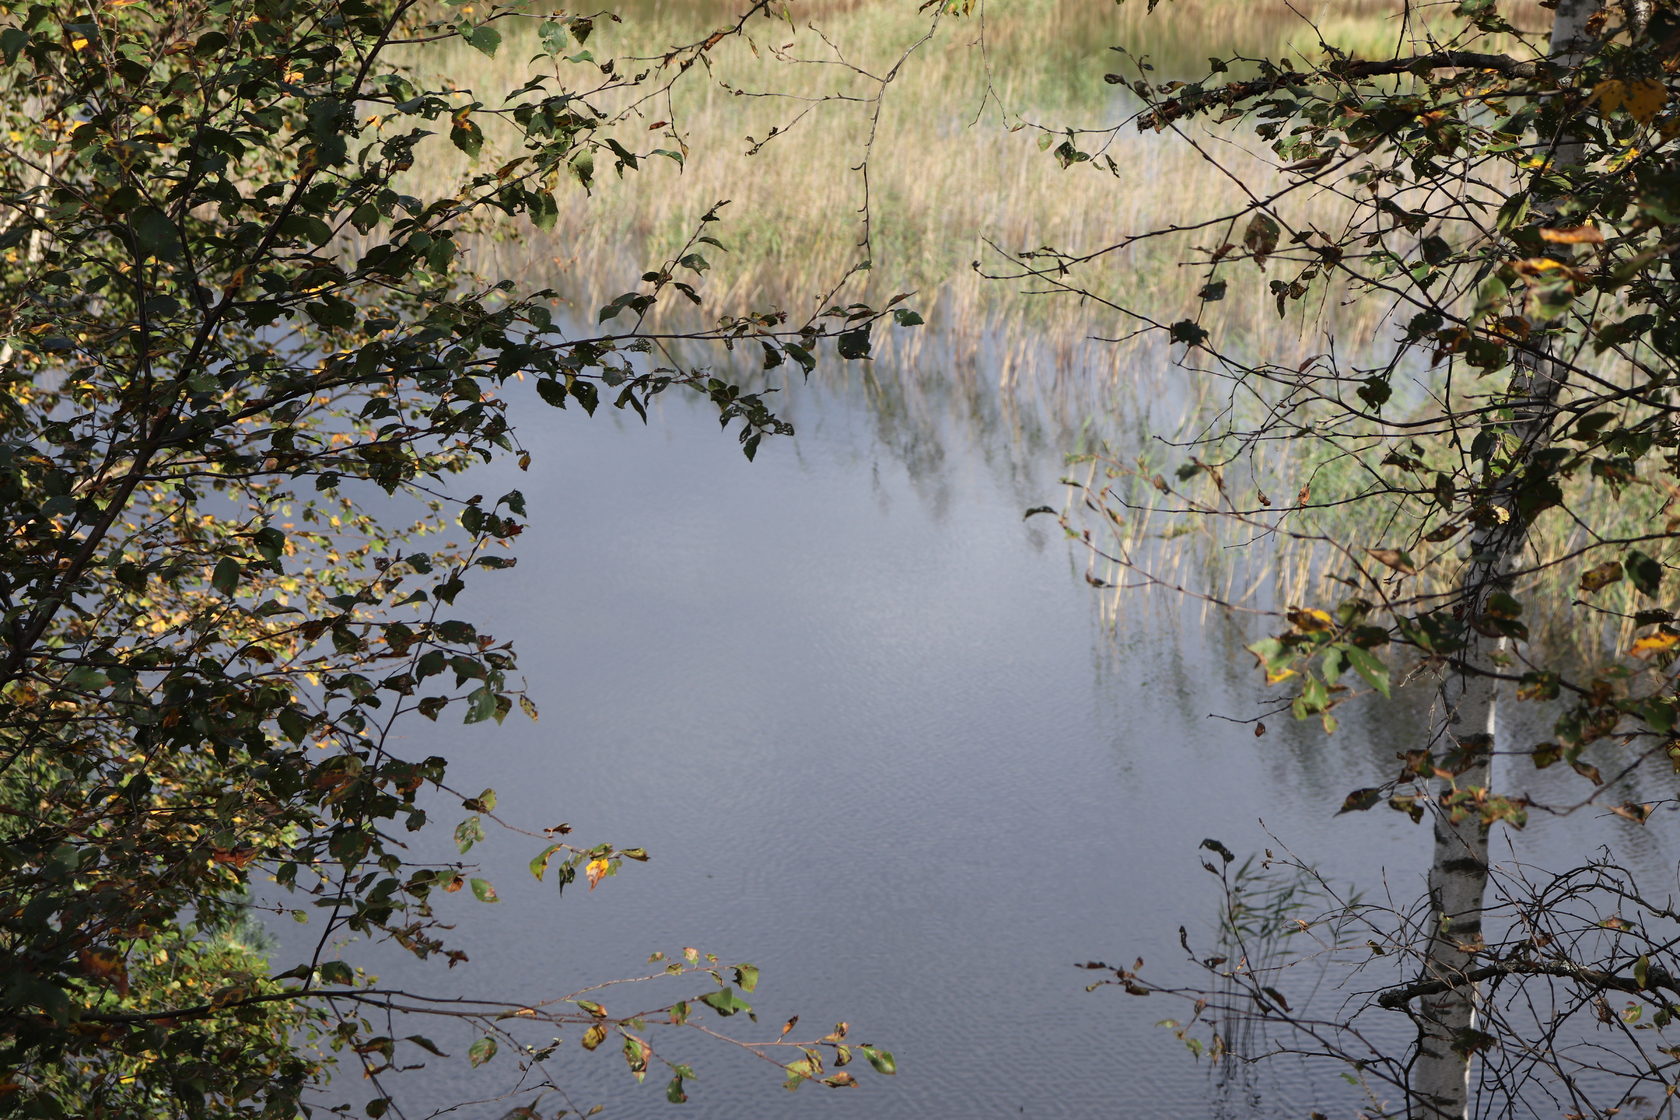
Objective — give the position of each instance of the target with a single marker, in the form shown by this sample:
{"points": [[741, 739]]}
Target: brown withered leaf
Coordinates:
{"points": [[1633, 811], [105, 965], [1394, 558], [238, 857]]}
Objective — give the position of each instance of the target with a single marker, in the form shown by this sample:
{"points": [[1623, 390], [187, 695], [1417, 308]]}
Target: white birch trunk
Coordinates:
{"points": [[1467, 710], [1466, 717]]}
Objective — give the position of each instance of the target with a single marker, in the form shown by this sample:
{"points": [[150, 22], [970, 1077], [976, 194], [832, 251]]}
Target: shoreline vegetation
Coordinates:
{"points": [[847, 133]]}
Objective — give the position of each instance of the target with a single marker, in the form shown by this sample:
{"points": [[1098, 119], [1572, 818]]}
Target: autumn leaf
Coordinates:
{"points": [[1602, 576], [1644, 98], [596, 871], [238, 857], [1653, 644], [107, 966], [1311, 621], [1394, 558], [1261, 238], [1609, 95], [1573, 235]]}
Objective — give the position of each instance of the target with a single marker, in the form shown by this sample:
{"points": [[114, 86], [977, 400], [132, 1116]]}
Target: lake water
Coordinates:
{"points": [[869, 726]]}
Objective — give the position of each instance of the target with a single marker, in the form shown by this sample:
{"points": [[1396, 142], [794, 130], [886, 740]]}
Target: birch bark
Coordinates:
{"points": [[1467, 706]]}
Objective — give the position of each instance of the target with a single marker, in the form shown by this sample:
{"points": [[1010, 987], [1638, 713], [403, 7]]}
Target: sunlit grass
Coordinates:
{"points": [[949, 164]]}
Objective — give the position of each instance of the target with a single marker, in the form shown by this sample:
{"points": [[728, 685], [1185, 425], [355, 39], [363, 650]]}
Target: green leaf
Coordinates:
{"points": [[1645, 572], [539, 863], [226, 576], [674, 1090], [426, 1044], [1367, 665], [483, 891], [726, 1002], [337, 972], [468, 833], [481, 704], [294, 725], [481, 1051], [551, 391], [485, 38], [155, 233], [746, 975], [12, 42], [882, 1060], [854, 343], [1314, 698], [465, 135], [544, 211], [1512, 213], [1360, 800]]}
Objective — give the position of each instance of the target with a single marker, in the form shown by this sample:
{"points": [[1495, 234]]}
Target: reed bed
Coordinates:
{"points": [[943, 177], [935, 178]]}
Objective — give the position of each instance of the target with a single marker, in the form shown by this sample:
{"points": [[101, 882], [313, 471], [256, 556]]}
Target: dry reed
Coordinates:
{"points": [[942, 175]]}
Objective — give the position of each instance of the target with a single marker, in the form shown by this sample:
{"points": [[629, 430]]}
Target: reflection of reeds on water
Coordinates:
{"points": [[1221, 541]]}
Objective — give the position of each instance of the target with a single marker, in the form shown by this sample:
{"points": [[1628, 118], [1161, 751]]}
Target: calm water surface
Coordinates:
{"points": [[865, 720]]}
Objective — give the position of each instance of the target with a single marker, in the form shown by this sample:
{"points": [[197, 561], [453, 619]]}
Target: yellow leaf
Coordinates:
{"points": [[596, 871], [1311, 621], [1654, 644], [1644, 98], [1610, 95], [79, 43], [1575, 235]]}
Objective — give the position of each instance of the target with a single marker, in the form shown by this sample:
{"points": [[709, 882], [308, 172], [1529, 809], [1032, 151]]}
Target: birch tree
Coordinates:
{"points": [[1467, 710], [235, 317], [1505, 184]]}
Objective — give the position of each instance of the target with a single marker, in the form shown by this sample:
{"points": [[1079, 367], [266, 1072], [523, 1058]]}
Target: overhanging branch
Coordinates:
{"points": [[1657, 978], [1234, 93]]}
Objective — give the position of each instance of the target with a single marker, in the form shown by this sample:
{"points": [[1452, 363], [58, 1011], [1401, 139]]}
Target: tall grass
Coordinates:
{"points": [[948, 164], [852, 131]]}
